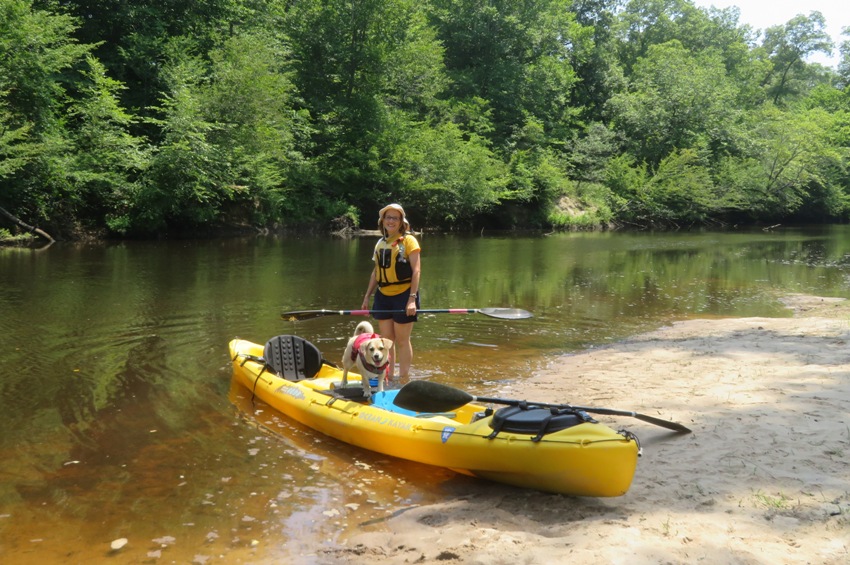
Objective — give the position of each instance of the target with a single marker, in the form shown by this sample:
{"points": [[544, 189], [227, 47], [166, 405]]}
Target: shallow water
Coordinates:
{"points": [[120, 419]]}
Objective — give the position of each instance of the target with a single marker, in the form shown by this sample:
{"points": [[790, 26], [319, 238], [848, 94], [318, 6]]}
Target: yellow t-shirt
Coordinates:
{"points": [[392, 264]]}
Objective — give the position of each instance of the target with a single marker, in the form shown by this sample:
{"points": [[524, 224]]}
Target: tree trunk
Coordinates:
{"points": [[29, 228]]}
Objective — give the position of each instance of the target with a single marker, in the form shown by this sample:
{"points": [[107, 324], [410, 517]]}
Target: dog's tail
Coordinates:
{"points": [[364, 328]]}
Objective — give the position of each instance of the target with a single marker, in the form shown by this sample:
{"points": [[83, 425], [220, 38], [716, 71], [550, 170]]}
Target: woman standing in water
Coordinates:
{"points": [[395, 282]]}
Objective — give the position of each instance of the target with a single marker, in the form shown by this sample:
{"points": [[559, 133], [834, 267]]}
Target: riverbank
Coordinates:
{"points": [[763, 478]]}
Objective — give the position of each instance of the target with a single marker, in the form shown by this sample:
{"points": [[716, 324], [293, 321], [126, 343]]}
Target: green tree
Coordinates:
{"points": [[38, 47], [514, 55], [39, 54], [106, 159], [184, 185], [230, 140], [787, 47], [844, 60], [133, 36], [415, 74], [790, 165], [593, 56], [353, 61], [680, 192], [250, 96], [676, 100], [16, 150], [446, 173], [645, 23]]}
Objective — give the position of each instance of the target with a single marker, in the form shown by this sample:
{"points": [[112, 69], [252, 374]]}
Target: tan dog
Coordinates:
{"points": [[369, 353]]}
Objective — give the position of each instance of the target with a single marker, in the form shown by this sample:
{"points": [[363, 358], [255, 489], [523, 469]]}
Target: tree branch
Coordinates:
{"points": [[29, 228]]}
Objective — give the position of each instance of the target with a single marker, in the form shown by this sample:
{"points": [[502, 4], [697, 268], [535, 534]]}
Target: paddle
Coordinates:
{"points": [[501, 313], [427, 396]]}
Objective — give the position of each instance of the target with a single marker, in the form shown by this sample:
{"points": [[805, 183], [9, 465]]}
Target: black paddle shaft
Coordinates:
{"points": [[426, 396]]}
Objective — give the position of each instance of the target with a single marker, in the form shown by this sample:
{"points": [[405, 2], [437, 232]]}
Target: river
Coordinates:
{"points": [[120, 420]]}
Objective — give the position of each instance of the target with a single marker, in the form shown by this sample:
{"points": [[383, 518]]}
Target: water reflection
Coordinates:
{"points": [[119, 416]]}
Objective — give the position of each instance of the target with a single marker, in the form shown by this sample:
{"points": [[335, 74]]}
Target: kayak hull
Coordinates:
{"points": [[588, 459]]}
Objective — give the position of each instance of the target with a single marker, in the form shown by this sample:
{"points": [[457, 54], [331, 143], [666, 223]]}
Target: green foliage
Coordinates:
{"points": [[355, 64], [416, 76], [787, 46], [151, 116], [15, 148], [538, 180], [7, 237], [250, 96], [38, 48], [106, 159], [446, 173], [844, 61], [791, 158], [183, 184], [625, 177], [515, 55], [676, 100], [681, 191]]}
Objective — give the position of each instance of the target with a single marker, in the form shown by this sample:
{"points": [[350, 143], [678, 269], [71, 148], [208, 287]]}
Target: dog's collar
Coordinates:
{"points": [[375, 369]]}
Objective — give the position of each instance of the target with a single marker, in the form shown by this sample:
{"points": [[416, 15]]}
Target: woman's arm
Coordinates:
{"points": [[373, 283], [416, 265]]}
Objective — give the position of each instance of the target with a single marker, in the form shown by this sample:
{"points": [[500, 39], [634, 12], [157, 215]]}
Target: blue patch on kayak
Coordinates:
{"points": [[447, 433], [384, 401]]}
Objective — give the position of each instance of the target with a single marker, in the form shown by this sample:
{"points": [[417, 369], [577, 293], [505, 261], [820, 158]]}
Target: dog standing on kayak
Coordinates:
{"points": [[369, 353]]}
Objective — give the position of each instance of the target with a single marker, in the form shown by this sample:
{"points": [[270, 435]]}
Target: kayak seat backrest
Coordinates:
{"points": [[292, 357]]}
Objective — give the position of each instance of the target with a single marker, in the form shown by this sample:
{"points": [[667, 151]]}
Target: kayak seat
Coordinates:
{"points": [[534, 420], [292, 357]]}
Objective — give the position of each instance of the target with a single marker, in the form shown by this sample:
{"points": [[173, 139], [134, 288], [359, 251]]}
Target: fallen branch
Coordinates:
{"points": [[29, 228]]}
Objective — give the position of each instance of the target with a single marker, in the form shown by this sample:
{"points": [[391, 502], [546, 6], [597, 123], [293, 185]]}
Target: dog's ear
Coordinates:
{"points": [[388, 343]]}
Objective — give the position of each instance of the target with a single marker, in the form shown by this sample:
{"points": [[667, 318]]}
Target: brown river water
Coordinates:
{"points": [[120, 419]]}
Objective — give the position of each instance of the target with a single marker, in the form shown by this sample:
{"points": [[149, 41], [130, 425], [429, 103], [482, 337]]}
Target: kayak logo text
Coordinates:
{"points": [[447, 433], [292, 391], [383, 421]]}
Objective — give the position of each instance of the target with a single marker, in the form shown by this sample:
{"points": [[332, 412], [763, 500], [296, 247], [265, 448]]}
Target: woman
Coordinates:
{"points": [[395, 282]]}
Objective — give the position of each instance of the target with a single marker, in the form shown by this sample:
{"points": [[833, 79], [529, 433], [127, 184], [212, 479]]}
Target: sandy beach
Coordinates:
{"points": [[763, 479]]}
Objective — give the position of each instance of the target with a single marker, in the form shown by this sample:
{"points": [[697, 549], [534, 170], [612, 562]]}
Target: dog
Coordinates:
{"points": [[369, 353]]}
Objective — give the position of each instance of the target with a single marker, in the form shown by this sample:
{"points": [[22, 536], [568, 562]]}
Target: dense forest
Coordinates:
{"points": [[133, 118]]}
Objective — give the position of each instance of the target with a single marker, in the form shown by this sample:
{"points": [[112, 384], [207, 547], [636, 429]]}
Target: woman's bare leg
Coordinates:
{"points": [[403, 347], [387, 330]]}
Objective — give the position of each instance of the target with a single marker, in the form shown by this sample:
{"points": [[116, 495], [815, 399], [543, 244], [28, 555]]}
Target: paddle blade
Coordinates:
{"points": [[506, 313], [675, 426], [307, 314], [663, 423], [425, 396]]}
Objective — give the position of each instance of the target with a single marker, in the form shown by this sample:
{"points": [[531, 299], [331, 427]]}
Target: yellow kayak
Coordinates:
{"points": [[535, 448]]}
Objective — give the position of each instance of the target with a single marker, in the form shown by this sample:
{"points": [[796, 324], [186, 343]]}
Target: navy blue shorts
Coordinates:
{"points": [[397, 302]]}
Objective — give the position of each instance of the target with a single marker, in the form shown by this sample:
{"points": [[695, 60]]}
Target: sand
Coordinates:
{"points": [[764, 477]]}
